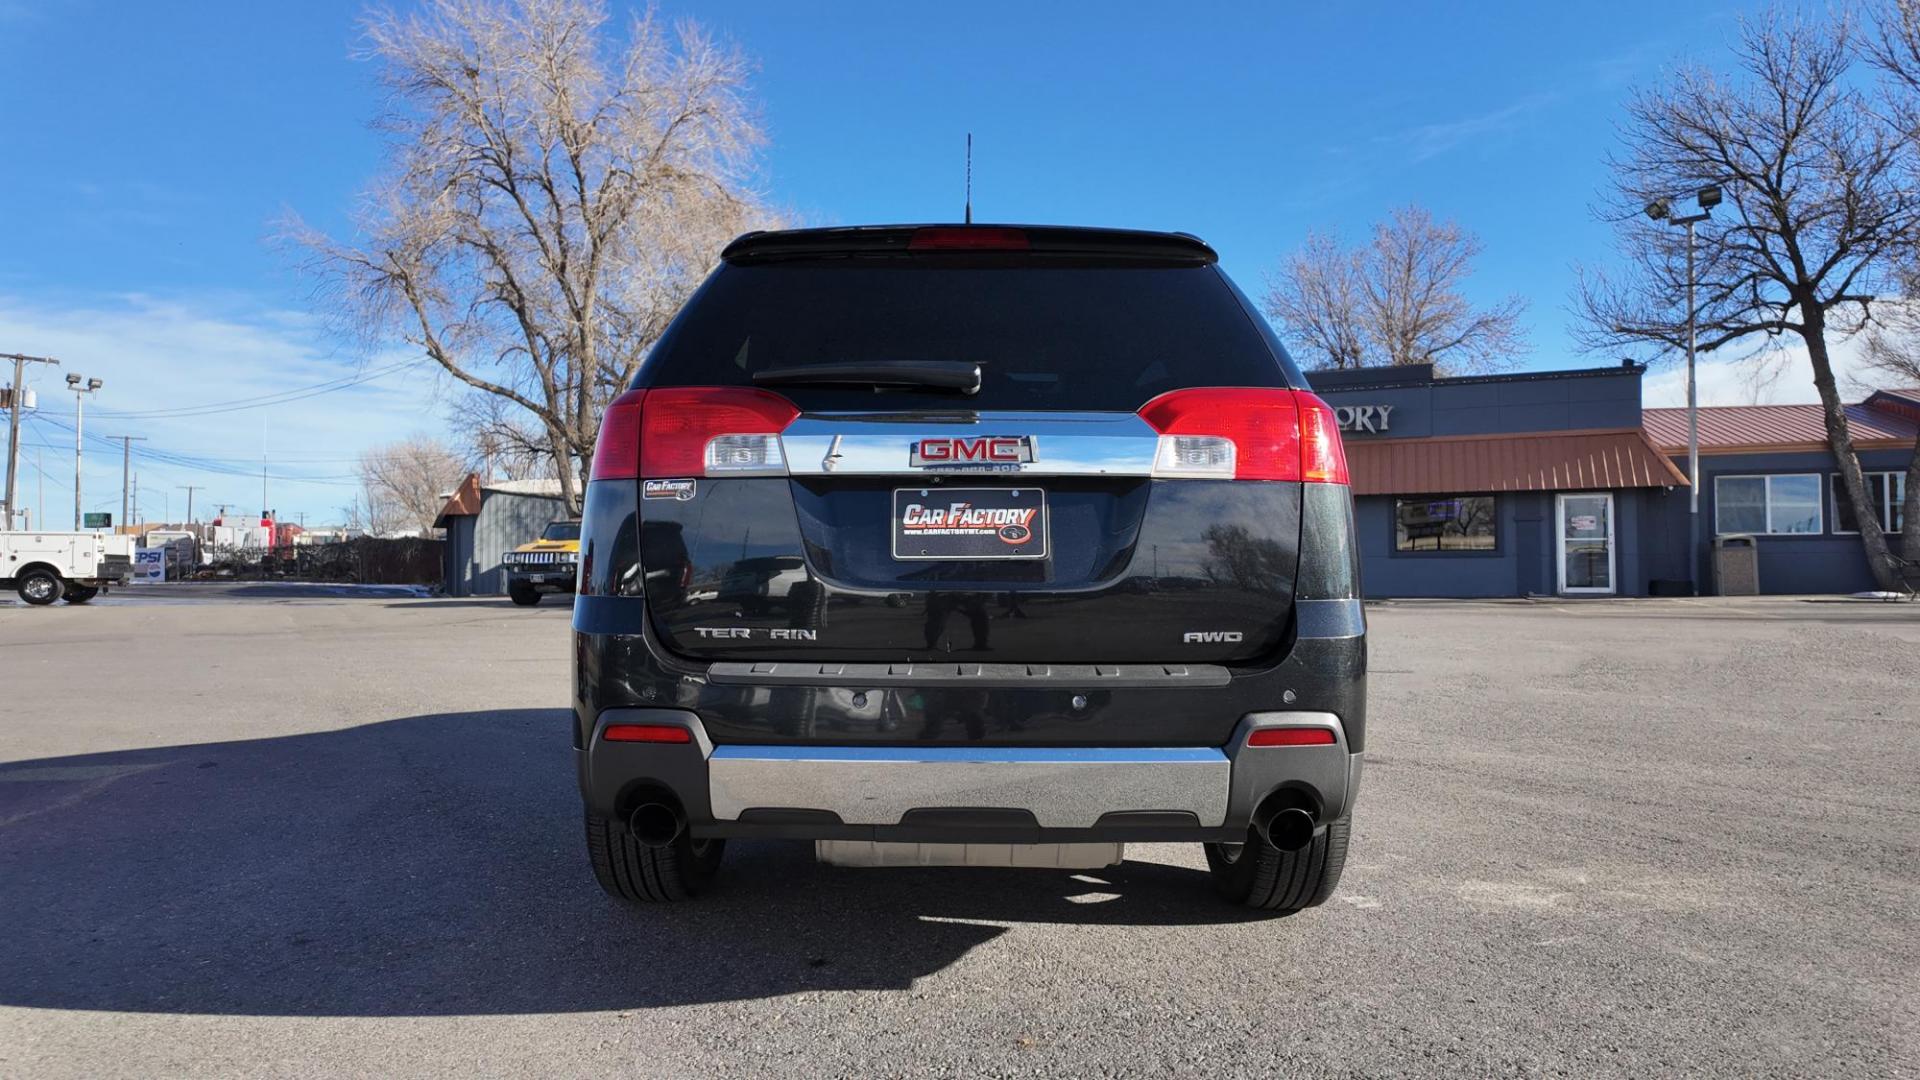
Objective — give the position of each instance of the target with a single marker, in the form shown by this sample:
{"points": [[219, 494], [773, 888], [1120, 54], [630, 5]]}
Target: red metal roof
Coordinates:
{"points": [[464, 503], [1531, 461], [1730, 428], [1903, 403]]}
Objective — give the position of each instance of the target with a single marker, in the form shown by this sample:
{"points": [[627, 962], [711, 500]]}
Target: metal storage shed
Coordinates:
{"points": [[485, 520]]}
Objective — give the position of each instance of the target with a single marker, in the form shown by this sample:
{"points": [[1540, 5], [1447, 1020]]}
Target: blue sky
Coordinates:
{"points": [[149, 148]]}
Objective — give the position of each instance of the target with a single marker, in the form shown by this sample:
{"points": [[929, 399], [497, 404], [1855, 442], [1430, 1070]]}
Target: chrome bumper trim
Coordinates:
{"points": [[1065, 788]]}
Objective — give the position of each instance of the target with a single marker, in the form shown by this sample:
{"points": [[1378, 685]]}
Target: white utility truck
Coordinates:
{"points": [[75, 566]]}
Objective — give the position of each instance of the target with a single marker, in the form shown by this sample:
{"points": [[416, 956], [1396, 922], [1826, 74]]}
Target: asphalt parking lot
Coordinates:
{"points": [[277, 833]]}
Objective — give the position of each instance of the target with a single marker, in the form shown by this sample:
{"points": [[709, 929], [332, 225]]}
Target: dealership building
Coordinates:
{"points": [[1559, 483]]}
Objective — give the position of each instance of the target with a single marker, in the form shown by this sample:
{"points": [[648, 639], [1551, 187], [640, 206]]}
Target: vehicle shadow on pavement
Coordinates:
{"points": [[434, 865]]}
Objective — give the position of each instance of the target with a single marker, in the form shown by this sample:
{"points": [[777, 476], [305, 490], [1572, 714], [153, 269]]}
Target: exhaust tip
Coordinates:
{"points": [[655, 824], [1289, 829]]}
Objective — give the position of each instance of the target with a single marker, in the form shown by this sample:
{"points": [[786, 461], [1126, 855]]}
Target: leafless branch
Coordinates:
{"points": [[555, 191]]}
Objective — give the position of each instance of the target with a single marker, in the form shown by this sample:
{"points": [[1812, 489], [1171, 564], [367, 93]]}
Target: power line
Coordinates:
{"points": [[208, 465], [261, 401]]}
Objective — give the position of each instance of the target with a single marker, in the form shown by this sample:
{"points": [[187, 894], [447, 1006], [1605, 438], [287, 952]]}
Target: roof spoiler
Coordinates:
{"points": [[1120, 245]]}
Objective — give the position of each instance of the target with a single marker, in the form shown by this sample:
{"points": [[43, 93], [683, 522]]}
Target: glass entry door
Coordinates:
{"points": [[1585, 542]]}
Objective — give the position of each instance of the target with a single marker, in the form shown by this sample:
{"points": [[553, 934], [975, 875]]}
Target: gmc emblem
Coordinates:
{"points": [[985, 450]]}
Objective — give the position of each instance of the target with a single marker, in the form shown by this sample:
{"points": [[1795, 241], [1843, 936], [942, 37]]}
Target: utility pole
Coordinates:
{"points": [[19, 401], [191, 488], [126, 456]]}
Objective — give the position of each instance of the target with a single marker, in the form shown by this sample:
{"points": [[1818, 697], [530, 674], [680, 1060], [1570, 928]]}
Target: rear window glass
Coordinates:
{"points": [[1046, 337]]}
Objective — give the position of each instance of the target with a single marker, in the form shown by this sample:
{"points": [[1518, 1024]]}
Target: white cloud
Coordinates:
{"points": [[156, 353], [1431, 140], [1782, 376]]}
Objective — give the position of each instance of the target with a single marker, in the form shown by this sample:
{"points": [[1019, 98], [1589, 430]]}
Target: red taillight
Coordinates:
{"points": [[967, 238], [1323, 457], [1246, 433], [1291, 736], [616, 452], [653, 733], [713, 430]]}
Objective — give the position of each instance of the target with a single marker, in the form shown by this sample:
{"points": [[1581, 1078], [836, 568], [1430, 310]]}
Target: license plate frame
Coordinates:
{"points": [[946, 538]]}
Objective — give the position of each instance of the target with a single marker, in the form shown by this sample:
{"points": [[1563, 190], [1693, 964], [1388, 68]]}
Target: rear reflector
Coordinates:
{"points": [[616, 451], [967, 238], [713, 431], [1246, 433], [653, 733], [1291, 736]]}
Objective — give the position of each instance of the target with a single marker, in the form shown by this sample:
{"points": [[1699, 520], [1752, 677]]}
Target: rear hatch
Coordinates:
{"points": [[980, 445]]}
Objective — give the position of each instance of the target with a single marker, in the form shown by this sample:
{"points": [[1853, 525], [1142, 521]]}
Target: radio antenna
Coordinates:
{"points": [[969, 177]]}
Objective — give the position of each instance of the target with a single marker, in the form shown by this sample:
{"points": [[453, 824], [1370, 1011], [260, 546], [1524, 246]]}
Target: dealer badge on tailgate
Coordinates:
{"points": [[969, 523]]}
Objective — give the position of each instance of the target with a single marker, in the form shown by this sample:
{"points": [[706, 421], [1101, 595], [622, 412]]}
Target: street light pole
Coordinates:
{"points": [[81, 387], [79, 426], [1662, 210], [1693, 431]]}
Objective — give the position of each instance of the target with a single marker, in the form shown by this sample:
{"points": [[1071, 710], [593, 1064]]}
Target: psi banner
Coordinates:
{"points": [[149, 565]]}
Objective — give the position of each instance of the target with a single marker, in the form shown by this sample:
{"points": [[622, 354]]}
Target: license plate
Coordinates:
{"points": [[969, 523], [537, 579]]}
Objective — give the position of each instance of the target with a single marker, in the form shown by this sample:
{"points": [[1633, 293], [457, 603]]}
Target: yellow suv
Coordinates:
{"points": [[544, 565]]}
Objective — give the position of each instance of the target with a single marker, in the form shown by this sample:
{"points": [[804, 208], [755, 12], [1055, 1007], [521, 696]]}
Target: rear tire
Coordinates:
{"points": [[524, 595], [80, 594], [39, 587], [1262, 876], [631, 871]]}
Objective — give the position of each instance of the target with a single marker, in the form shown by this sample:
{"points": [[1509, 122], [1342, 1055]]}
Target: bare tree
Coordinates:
{"points": [[554, 196], [500, 442], [366, 515], [1819, 202], [1397, 300], [1893, 342], [404, 484], [1317, 297], [1416, 312], [1892, 359]]}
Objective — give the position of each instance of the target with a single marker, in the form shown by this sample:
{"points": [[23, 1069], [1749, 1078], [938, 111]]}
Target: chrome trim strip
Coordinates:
{"points": [[1062, 787], [1063, 444], [936, 755], [980, 676]]}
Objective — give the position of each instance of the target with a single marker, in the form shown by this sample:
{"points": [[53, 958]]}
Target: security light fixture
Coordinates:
{"points": [[1658, 209], [73, 381], [1709, 197], [94, 384]]}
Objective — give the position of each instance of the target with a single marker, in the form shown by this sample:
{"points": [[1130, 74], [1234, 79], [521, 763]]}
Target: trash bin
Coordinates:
{"points": [[1736, 565]]}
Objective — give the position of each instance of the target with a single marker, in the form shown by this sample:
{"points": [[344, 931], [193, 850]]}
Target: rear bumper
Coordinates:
{"points": [[972, 794], [114, 571]]}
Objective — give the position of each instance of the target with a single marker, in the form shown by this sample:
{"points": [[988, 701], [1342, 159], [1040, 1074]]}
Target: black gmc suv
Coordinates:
{"points": [[969, 545]]}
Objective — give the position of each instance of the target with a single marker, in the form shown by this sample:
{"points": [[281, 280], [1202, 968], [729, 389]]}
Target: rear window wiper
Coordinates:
{"points": [[955, 376]]}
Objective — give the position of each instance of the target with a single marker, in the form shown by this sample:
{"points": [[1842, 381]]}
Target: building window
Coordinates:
{"points": [[1887, 491], [1767, 505], [1444, 523]]}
